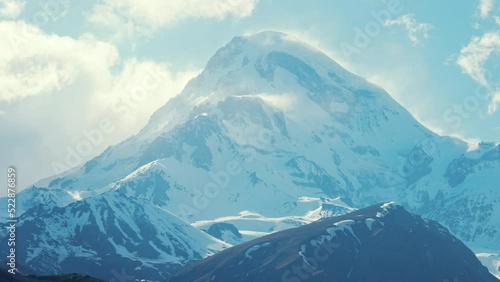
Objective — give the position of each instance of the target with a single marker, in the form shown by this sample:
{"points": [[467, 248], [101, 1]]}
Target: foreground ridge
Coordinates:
{"points": [[379, 243]]}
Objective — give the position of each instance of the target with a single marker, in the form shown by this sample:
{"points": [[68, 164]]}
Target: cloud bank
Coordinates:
{"points": [[56, 88]]}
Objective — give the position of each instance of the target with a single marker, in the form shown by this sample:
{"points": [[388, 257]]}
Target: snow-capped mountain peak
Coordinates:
{"points": [[272, 121]]}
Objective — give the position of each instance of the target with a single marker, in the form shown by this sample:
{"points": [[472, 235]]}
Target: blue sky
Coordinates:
{"points": [[66, 65]]}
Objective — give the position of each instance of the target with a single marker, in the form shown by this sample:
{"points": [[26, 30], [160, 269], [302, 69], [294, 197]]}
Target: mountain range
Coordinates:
{"points": [[273, 134]]}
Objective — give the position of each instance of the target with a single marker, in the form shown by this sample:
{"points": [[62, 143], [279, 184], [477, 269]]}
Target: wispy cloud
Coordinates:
{"points": [[472, 60], [415, 29], [497, 20], [11, 9], [495, 101], [485, 7], [128, 17], [473, 56]]}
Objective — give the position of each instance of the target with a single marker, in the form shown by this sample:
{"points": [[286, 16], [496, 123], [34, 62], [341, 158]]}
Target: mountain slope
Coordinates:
{"points": [[110, 231], [379, 243]]}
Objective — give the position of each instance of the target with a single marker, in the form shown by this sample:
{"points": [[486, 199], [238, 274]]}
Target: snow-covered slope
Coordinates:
{"points": [[108, 232], [252, 225], [470, 203], [272, 121], [491, 261]]}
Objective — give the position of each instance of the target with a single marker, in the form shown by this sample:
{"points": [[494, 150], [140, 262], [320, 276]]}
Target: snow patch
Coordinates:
{"points": [[386, 209], [369, 223], [388, 205], [302, 254], [253, 249], [75, 195], [491, 261]]}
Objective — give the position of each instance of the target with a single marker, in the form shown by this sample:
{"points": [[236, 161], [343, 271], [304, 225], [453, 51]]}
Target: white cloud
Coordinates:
{"points": [[472, 60], [495, 101], [11, 9], [485, 7], [54, 87], [35, 63], [497, 20], [415, 30], [125, 17], [473, 56]]}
